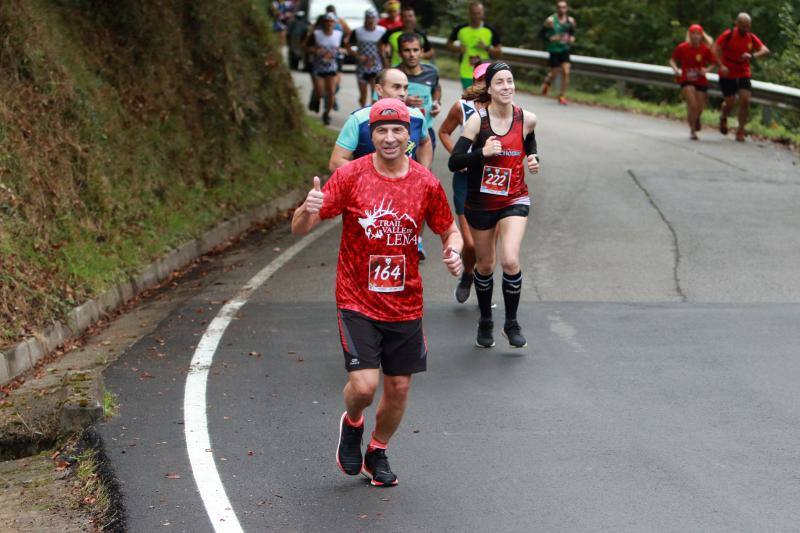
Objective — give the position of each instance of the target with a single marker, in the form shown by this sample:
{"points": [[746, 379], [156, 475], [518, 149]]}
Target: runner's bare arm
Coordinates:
{"points": [[528, 122], [452, 243], [306, 217], [449, 125], [339, 157], [761, 51], [674, 66], [425, 153]]}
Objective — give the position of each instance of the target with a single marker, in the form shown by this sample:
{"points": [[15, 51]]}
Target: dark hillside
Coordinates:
{"points": [[126, 127]]}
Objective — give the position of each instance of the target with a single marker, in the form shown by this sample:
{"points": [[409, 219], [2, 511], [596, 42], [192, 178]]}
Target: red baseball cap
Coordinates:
{"points": [[696, 28], [389, 110]]}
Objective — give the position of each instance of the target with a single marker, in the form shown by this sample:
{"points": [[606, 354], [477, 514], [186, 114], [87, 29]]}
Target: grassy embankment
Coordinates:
{"points": [[610, 98], [126, 128]]}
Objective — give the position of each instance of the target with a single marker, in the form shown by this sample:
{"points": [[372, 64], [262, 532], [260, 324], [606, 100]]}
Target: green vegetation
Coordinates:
{"points": [[645, 32], [94, 494], [126, 128], [109, 404]]}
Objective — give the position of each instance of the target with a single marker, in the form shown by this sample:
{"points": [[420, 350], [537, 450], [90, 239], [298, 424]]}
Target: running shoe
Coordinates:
{"points": [[376, 468], [326, 118], [463, 287], [740, 135], [421, 251], [562, 100], [348, 452], [485, 339], [513, 332], [723, 125], [545, 88]]}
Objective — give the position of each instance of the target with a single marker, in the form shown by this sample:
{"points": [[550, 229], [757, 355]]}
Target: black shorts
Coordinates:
{"points": [[397, 347], [483, 220], [367, 77], [556, 58], [325, 74], [697, 86], [731, 86]]}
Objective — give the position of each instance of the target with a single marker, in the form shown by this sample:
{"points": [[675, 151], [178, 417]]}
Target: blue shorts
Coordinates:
{"points": [[459, 191]]}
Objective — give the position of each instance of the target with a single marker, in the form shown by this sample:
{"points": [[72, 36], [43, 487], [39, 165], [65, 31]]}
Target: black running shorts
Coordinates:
{"points": [[397, 347], [697, 86], [556, 58], [731, 86], [483, 220]]}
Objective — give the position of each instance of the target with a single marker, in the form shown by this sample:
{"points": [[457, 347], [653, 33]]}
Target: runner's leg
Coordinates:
{"points": [[485, 242], [702, 102], [468, 251], [360, 391], [362, 92], [511, 231], [744, 111], [392, 406], [689, 94], [727, 106], [565, 68]]}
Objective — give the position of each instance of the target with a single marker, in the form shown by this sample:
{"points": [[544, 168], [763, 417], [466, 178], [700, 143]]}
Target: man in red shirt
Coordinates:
{"points": [[384, 198], [736, 47], [392, 20]]}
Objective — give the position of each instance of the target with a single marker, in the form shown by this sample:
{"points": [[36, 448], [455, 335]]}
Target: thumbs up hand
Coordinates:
{"points": [[315, 198], [452, 260]]}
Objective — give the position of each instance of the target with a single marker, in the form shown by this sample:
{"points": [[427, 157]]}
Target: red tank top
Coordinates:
{"points": [[499, 181]]}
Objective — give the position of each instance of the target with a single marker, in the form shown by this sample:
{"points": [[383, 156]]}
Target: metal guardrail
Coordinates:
{"points": [[628, 71]]}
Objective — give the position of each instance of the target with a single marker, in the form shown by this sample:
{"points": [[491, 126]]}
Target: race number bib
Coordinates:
{"points": [[692, 74], [387, 273], [496, 180]]}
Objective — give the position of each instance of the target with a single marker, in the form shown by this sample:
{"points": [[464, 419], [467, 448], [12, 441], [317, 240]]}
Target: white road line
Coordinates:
{"points": [[198, 442]]}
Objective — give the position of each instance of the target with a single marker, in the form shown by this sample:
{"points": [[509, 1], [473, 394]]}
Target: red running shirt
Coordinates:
{"points": [[378, 271], [732, 50], [691, 60], [499, 181]]}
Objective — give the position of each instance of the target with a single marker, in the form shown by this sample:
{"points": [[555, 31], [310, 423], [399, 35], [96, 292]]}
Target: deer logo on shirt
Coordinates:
{"points": [[384, 222]]}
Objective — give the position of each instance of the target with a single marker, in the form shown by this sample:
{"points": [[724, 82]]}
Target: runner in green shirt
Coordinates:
{"points": [[391, 51], [476, 42], [560, 34]]}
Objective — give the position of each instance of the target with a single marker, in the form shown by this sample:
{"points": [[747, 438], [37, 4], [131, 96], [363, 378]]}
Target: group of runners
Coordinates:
{"points": [[731, 54], [383, 188]]}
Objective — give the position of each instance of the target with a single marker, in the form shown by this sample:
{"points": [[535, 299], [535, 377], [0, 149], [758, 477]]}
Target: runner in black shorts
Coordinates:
{"points": [[458, 115], [559, 30], [736, 48], [365, 45], [384, 198], [503, 145]]}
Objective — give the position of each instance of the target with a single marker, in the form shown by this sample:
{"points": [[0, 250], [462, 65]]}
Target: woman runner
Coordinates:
{"points": [[326, 44], [503, 144], [690, 61], [458, 116]]}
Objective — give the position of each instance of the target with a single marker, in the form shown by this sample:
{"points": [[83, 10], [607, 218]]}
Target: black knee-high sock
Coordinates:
{"points": [[512, 289], [483, 290]]}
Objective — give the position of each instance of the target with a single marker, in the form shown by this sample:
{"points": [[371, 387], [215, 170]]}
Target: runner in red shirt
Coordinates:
{"points": [[690, 61], [497, 202], [736, 47], [383, 198], [392, 20]]}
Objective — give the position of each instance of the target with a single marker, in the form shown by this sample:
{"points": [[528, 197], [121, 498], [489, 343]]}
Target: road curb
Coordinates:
{"points": [[20, 358]]}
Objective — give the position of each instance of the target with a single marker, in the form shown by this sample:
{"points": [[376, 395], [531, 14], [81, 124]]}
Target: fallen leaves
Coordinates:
{"points": [[172, 475]]}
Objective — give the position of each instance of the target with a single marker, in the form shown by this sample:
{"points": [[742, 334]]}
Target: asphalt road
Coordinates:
{"points": [[658, 393]]}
